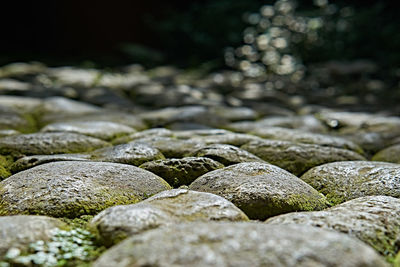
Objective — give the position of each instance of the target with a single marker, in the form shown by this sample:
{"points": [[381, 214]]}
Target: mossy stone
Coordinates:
{"points": [[372, 219], [165, 208], [183, 171], [297, 158], [261, 190], [346, 180], [48, 143], [240, 244], [75, 188]]}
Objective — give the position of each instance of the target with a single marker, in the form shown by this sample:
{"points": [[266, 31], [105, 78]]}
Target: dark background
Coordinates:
{"points": [[150, 32]]}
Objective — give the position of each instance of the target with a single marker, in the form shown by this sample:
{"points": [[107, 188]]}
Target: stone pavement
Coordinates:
{"points": [[161, 168]]}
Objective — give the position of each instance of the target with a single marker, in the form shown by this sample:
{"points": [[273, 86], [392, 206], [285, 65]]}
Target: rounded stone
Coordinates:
{"points": [[32, 161], [49, 143], [132, 153], [179, 172], [298, 158], [166, 208], [19, 231], [99, 129], [171, 147], [240, 244], [298, 136], [389, 154], [261, 190], [74, 188], [226, 154], [372, 219], [343, 181]]}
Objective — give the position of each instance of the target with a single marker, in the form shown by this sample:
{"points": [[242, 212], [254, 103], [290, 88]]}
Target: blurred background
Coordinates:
{"points": [[182, 33]]}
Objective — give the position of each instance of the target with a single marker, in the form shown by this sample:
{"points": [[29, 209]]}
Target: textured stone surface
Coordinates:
{"points": [[49, 143], [240, 244], [132, 153], [372, 219], [73, 188], [179, 172], [226, 154], [261, 190], [342, 181], [298, 158], [20, 231], [32, 161], [299, 136], [166, 208], [389, 154], [306, 123], [98, 129], [172, 147]]}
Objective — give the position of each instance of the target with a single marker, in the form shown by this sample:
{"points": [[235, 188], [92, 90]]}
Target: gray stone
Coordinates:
{"points": [[21, 69], [372, 219], [132, 153], [19, 231], [15, 121], [343, 181], [147, 134], [215, 136], [298, 158], [371, 132], [99, 129], [389, 154], [240, 244], [234, 113], [32, 161], [74, 188], [172, 147], [19, 104], [179, 172], [261, 190], [307, 123], [49, 143], [127, 119], [226, 154], [298, 136], [166, 208], [192, 114], [4, 133]]}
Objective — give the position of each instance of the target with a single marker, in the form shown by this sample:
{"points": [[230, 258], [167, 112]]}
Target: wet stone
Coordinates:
{"points": [[166, 208], [183, 171], [225, 154], [99, 129], [297, 158], [372, 219], [132, 153], [343, 181], [261, 190], [298, 136], [49, 143], [240, 244], [389, 154], [74, 188], [32, 161], [19, 231]]}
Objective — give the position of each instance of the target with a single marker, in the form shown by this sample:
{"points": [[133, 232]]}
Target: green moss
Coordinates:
{"points": [[74, 247], [396, 261], [32, 124]]}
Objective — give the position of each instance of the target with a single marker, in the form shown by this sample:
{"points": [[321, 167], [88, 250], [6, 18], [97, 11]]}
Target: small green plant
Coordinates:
{"points": [[76, 247]]}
